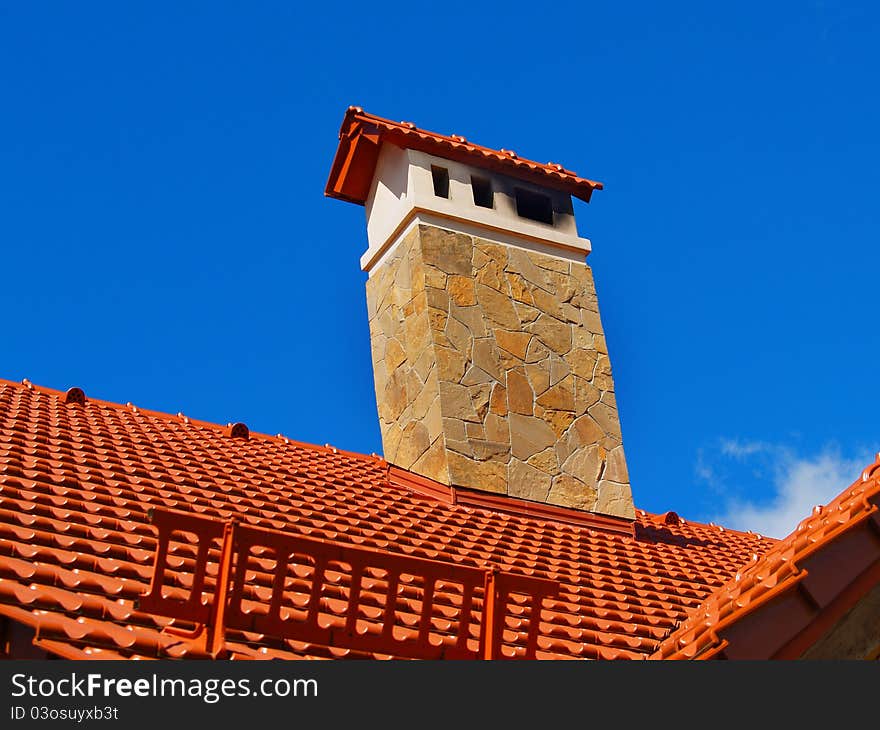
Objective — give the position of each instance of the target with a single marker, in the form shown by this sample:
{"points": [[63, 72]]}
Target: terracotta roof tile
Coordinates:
{"points": [[78, 479]]}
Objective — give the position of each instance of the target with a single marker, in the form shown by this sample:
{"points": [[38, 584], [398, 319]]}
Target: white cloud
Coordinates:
{"points": [[741, 449], [795, 484]]}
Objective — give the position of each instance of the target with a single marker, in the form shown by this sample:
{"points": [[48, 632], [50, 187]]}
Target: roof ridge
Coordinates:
{"points": [[663, 518], [180, 416]]}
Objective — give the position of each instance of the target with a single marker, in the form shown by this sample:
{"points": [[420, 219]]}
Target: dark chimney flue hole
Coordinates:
{"points": [[534, 206], [482, 190], [441, 181]]}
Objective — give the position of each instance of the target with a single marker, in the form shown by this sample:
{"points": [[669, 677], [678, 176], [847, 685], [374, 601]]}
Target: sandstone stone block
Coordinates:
{"points": [[484, 449], [485, 357], [425, 364], [516, 343], [571, 314], [586, 431], [417, 336], [454, 428], [437, 320], [546, 461], [551, 263], [615, 466], [492, 275], [527, 482], [498, 400], [606, 417], [564, 286], [570, 492], [558, 369], [559, 421], [475, 431], [413, 443], [520, 397], [460, 447], [459, 336], [433, 420], [586, 464], [583, 275], [461, 290], [480, 398], [559, 397], [479, 259], [394, 354], [522, 262], [380, 376], [526, 313], [582, 339], [394, 398], [615, 499], [435, 278], [582, 362], [391, 435], [427, 395], [497, 429], [470, 317], [494, 251], [539, 376], [432, 463], [585, 395], [455, 401], [602, 379], [547, 303], [414, 385], [529, 435], [537, 351], [475, 376], [450, 364], [497, 307], [387, 322], [448, 251], [437, 298], [591, 321], [519, 289], [554, 334], [488, 476]]}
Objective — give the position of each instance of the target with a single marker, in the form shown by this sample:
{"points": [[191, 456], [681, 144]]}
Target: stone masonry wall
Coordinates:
{"points": [[491, 372]]}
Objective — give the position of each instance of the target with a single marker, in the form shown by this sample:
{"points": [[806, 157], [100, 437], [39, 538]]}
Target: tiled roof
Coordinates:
{"points": [[362, 134], [78, 477], [784, 600]]}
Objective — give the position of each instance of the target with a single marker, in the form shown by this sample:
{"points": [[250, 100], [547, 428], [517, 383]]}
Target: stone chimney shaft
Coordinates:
{"points": [[490, 363]]}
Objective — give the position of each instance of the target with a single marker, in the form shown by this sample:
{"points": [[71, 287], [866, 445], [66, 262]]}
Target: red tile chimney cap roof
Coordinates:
{"points": [[362, 135]]}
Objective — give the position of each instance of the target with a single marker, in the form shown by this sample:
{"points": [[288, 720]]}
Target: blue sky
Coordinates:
{"points": [[166, 240]]}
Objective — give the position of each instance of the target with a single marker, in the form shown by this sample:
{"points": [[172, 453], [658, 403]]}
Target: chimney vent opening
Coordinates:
{"points": [[440, 176], [482, 190], [534, 206]]}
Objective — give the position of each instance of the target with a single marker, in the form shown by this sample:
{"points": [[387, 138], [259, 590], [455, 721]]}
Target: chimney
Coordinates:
{"points": [[490, 363]]}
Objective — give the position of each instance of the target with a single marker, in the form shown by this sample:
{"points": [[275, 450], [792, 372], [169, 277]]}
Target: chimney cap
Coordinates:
{"points": [[362, 135]]}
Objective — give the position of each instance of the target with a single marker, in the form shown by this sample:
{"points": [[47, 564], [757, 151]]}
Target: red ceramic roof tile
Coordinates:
{"points": [[76, 546], [361, 135], [790, 568]]}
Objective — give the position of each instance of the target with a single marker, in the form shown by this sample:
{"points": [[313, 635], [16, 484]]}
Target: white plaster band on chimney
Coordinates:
{"points": [[405, 189], [373, 258]]}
